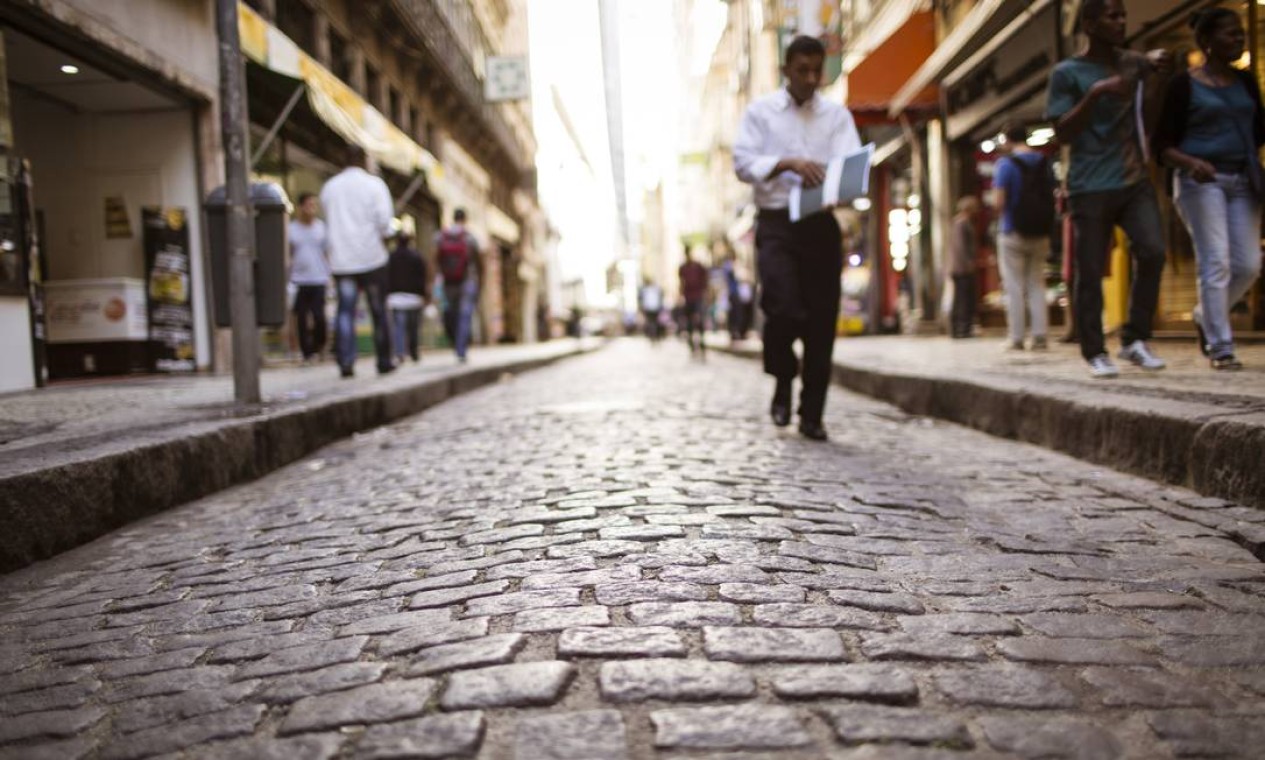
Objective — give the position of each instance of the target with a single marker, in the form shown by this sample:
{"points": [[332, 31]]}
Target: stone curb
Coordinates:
{"points": [[50, 510], [1213, 455]]}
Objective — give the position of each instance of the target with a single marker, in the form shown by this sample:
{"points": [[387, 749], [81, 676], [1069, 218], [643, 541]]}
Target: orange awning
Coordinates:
{"points": [[874, 82]]}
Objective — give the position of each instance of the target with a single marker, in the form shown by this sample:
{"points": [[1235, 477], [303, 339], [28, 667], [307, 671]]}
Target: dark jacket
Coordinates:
{"points": [[406, 272], [1175, 113]]}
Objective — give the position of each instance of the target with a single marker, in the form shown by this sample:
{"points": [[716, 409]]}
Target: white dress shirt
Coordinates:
{"points": [[774, 128], [358, 213]]}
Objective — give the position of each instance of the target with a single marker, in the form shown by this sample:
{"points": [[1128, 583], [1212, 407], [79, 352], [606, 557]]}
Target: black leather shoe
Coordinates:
{"points": [[813, 431], [781, 414]]}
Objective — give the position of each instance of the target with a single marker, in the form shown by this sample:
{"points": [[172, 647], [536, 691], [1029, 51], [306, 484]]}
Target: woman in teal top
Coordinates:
{"points": [[1211, 129]]}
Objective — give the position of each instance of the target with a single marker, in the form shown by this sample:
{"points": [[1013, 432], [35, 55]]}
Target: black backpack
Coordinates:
{"points": [[1033, 213]]}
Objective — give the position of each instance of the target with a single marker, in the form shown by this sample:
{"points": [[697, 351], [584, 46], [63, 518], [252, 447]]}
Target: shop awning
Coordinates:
{"points": [[878, 28], [340, 107], [950, 48], [873, 84]]}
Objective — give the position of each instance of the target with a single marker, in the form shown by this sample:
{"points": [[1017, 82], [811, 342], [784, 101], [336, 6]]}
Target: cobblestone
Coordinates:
{"points": [[638, 681], [619, 561], [863, 681], [773, 644], [859, 724], [747, 727], [621, 642], [435, 736], [574, 736], [533, 683], [376, 703]]}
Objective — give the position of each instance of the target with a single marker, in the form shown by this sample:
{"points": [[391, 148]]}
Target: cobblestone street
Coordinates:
{"points": [[619, 556]]}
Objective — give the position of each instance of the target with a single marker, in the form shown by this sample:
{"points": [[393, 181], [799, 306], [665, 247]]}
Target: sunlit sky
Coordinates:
{"points": [[566, 57]]}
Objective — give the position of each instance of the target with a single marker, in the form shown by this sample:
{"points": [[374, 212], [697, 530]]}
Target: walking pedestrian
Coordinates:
{"points": [[406, 295], [651, 301], [358, 213], [1024, 196], [457, 254], [1092, 101], [309, 273], [962, 250], [693, 278], [1212, 125], [785, 138]]}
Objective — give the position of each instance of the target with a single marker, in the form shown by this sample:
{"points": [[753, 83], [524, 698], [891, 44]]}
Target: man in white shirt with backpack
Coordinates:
{"points": [[458, 263]]}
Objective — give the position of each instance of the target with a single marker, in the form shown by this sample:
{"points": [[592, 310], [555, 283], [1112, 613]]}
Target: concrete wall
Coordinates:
{"points": [[175, 38], [78, 160]]}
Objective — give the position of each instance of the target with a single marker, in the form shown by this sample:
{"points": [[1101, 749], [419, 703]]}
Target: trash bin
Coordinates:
{"points": [[272, 208]]}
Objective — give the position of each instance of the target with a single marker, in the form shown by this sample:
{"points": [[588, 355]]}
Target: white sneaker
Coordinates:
{"points": [[1138, 353], [1100, 366]]}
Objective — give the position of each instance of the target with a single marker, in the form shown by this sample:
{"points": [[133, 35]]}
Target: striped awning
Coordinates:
{"points": [[336, 103]]}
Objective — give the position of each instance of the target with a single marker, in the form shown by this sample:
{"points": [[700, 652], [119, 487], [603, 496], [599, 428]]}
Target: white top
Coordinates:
{"points": [[402, 301], [774, 128], [308, 245], [358, 213]]}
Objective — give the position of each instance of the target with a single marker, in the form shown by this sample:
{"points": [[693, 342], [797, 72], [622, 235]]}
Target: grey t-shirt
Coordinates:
{"points": [[308, 247]]}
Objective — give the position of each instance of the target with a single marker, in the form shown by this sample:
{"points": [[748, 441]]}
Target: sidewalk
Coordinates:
{"points": [[1186, 425], [79, 460]]}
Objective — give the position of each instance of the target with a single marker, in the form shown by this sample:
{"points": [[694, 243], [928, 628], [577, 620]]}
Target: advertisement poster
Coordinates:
{"points": [[168, 289]]}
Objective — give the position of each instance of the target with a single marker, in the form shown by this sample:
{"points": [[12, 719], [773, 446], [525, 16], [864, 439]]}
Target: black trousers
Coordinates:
{"points": [[962, 317], [309, 303], [800, 265], [1095, 217]]}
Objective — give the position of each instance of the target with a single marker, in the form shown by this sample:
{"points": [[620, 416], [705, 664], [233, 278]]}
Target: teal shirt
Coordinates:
{"points": [[1107, 154], [1219, 124]]}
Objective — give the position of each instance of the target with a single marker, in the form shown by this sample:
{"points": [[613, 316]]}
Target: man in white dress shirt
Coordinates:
{"points": [[358, 214], [786, 138]]}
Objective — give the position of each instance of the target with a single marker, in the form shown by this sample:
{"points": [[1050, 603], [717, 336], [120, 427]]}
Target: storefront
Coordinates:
{"points": [[302, 117], [102, 152], [886, 247], [1002, 84]]}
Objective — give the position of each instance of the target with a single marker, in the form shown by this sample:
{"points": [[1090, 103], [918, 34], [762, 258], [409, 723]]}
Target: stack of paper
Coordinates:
{"points": [[847, 178]]}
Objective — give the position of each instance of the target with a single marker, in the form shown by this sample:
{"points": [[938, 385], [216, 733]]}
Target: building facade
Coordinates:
{"points": [[109, 128]]}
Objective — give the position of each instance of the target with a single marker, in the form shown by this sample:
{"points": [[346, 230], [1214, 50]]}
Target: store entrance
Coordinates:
{"points": [[102, 148]]}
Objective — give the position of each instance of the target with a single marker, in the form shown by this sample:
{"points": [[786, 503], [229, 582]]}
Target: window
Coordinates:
{"points": [[393, 105], [415, 125], [373, 87], [297, 21], [339, 56]]}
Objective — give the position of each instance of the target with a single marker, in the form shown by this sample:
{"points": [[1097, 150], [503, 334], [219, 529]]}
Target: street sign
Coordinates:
{"points": [[506, 79]]}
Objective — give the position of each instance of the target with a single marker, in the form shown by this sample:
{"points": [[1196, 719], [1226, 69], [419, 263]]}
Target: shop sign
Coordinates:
{"points": [[169, 289], [505, 78], [1030, 51]]}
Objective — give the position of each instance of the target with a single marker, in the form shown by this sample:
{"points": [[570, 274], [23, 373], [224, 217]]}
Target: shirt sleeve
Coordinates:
{"points": [[1005, 176], [750, 164], [1061, 96], [846, 140], [384, 210]]}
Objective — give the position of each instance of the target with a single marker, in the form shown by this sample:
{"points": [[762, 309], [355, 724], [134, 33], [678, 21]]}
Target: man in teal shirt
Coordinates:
{"points": [[1093, 104]]}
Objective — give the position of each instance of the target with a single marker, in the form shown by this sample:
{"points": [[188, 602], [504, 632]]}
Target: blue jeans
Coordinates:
{"points": [[373, 284], [1224, 220], [459, 313], [404, 331]]}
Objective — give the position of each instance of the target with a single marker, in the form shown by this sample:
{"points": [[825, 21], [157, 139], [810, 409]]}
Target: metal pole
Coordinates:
{"points": [[276, 126], [239, 216]]}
